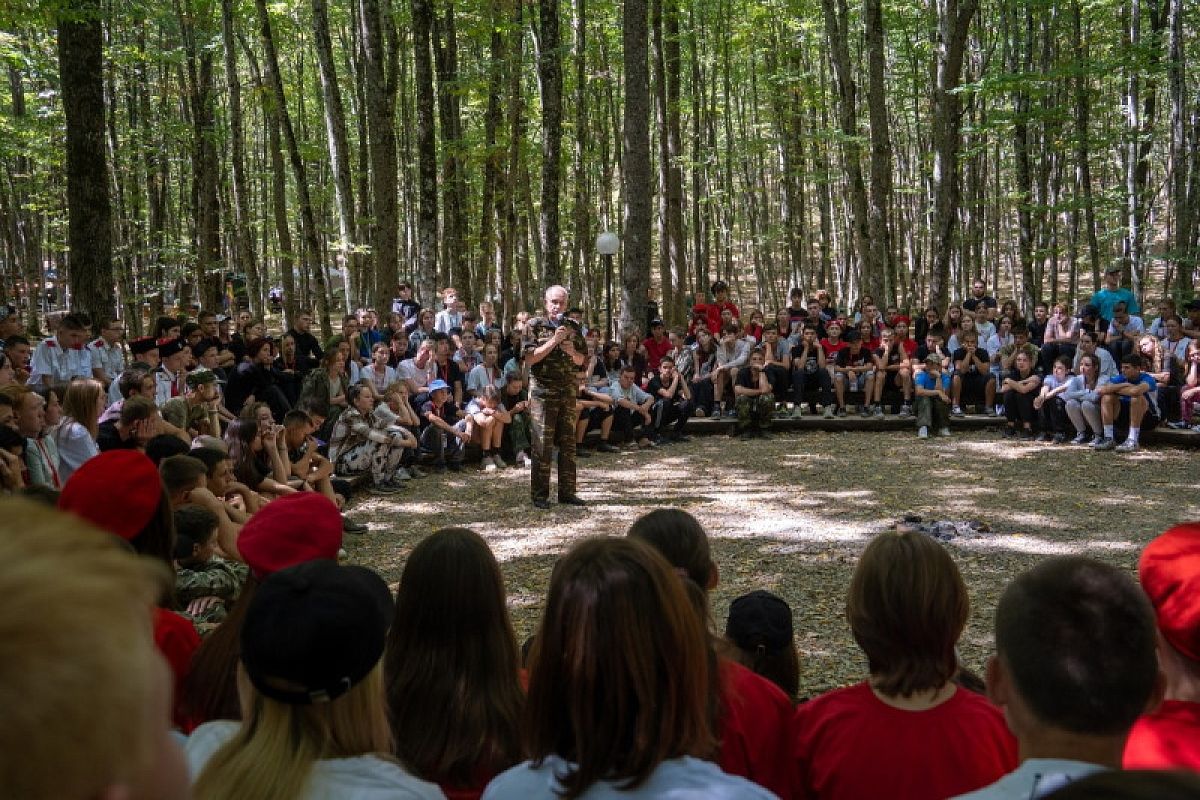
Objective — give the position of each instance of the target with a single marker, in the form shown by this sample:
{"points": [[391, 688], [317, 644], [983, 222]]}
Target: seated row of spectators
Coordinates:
{"points": [[315, 682]]}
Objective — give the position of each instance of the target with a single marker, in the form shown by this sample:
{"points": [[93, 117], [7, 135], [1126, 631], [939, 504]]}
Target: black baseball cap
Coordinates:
{"points": [[315, 630], [760, 619]]}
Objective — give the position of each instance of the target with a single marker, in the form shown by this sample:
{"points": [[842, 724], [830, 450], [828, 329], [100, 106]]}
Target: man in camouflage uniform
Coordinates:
{"points": [[554, 351]]}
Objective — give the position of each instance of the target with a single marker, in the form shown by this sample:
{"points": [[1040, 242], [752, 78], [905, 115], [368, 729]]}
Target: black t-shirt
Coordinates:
{"points": [[891, 356], [812, 360], [1099, 326], [308, 350], [972, 303], [656, 384], [1037, 333], [847, 359], [450, 373], [972, 367], [109, 438], [923, 352], [446, 412], [746, 379]]}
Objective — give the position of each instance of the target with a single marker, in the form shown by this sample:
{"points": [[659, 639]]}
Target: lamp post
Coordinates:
{"points": [[607, 244]]}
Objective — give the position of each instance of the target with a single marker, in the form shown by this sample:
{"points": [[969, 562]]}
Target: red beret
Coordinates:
{"points": [[1170, 574], [117, 491], [291, 530]]}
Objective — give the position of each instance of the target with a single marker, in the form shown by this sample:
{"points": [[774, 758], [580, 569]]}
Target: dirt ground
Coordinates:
{"points": [[793, 513]]}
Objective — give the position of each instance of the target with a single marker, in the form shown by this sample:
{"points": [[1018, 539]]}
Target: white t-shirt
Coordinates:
{"points": [[1036, 777], [364, 777], [678, 779]]}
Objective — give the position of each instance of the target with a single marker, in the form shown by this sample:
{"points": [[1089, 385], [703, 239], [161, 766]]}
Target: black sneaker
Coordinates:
{"points": [[541, 502], [605, 447], [581, 453], [350, 526], [456, 466]]}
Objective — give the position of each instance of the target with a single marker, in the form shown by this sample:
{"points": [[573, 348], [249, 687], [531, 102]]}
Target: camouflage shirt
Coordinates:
{"points": [[556, 372], [215, 578]]}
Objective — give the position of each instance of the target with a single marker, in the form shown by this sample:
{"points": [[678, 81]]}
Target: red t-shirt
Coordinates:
{"points": [[655, 351], [909, 345], [755, 727], [1167, 739], [850, 745], [832, 348], [713, 310]]}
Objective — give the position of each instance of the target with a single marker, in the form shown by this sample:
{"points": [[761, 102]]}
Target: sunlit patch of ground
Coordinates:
{"points": [[793, 513]]}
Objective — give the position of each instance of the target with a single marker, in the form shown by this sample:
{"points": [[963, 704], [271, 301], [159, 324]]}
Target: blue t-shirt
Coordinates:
{"points": [[1105, 299], [1151, 395], [926, 381]]}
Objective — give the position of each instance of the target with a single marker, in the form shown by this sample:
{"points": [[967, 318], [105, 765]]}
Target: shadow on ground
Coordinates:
{"points": [[791, 514]]}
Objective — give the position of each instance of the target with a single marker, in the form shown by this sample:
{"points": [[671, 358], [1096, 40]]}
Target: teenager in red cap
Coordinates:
{"points": [[142, 517], [1169, 571]]}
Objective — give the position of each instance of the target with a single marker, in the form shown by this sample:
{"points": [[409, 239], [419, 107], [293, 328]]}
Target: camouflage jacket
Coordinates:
{"points": [[215, 578], [556, 373]]}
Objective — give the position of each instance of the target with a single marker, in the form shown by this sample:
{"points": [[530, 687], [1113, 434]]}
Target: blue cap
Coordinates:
{"points": [[438, 384]]}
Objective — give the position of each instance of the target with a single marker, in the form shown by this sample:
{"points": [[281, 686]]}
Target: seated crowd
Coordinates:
{"points": [[313, 681], [395, 401]]}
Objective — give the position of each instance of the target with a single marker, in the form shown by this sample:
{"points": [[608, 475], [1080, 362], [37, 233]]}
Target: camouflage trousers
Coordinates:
{"points": [[552, 417], [755, 413]]}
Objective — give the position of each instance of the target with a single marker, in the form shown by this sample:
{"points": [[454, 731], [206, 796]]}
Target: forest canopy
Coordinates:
{"points": [[183, 150]]}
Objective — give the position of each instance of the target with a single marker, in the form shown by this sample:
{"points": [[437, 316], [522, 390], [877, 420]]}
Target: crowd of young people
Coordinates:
{"points": [[398, 397], [317, 682]]}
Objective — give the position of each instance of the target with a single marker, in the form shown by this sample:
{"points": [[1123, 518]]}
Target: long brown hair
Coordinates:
{"points": [[621, 677], [451, 663], [210, 689], [907, 606]]}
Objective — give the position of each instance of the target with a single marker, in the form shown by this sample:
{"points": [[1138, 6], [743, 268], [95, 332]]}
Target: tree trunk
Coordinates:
{"points": [[639, 187], [26, 232], [839, 55], [880, 199], [313, 254], [243, 247], [1180, 157], [954, 20], [427, 217], [549, 64], [380, 67], [89, 231], [339, 154]]}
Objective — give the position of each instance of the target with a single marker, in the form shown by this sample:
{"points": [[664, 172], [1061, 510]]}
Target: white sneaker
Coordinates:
{"points": [[487, 464], [403, 474], [944, 432], [1127, 446], [922, 432], [524, 460]]}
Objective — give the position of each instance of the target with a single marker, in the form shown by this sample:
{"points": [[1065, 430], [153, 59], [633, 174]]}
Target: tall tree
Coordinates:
{"points": [[639, 186], [243, 245], [427, 213], [550, 79], [313, 252], [880, 198], [953, 25], [380, 67], [81, 71], [837, 31], [339, 157]]}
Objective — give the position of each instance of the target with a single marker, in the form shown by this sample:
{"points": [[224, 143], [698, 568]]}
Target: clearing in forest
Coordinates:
{"points": [[792, 514]]}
